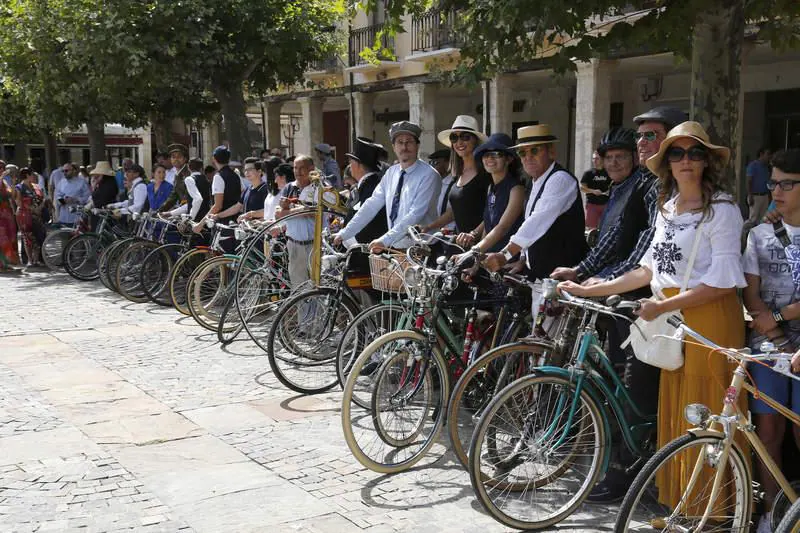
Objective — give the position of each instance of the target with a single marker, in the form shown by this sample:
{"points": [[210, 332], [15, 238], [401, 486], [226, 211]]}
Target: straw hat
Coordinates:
{"points": [[462, 123], [691, 130], [532, 135], [102, 168]]}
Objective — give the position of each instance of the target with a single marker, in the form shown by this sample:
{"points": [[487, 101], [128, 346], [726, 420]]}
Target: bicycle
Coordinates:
{"points": [[82, 251], [718, 493], [545, 439], [157, 266], [53, 245]]}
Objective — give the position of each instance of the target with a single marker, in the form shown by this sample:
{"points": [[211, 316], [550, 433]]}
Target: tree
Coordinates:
{"points": [[514, 33]]}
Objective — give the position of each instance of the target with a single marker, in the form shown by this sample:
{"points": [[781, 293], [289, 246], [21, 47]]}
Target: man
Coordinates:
{"points": [[408, 192], [364, 168], [758, 173], [72, 190], [137, 192], [226, 190], [52, 183], [178, 155], [198, 189], [328, 165], [553, 231]]}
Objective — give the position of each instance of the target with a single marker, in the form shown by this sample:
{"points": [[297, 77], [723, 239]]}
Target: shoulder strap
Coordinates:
{"points": [[692, 257], [781, 233], [443, 207]]}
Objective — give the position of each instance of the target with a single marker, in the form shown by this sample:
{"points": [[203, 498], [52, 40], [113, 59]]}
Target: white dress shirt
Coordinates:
{"points": [[170, 176], [136, 199], [302, 228], [197, 198], [418, 203], [556, 199], [76, 188]]}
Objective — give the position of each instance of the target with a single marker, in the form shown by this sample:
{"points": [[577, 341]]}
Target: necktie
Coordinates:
{"points": [[396, 199]]}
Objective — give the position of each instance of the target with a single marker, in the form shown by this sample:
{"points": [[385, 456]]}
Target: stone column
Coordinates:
{"points": [[364, 104], [311, 127], [273, 123], [421, 111], [501, 103], [592, 108], [146, 150]]}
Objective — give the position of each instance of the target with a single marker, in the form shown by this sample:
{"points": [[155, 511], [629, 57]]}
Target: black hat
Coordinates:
{"points": [[440, 154], [667, 115], [365, 152], [498, 142], [177, 147]]}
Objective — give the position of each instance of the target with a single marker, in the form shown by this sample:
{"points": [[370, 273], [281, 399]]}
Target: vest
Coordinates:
{"points": [[564, 243], [204, 187], [233, 191]]}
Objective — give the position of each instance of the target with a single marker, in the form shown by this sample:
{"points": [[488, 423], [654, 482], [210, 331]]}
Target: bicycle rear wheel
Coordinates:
{"points": [[155, 272], [127, 276], [80, 256], [53, 248], [649, 505], [180, 274]]}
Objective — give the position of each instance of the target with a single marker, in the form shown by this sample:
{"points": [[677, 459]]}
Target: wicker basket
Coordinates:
{"points": [[388, 276]]}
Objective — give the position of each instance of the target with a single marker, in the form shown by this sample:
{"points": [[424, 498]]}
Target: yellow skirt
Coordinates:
{"points": [[703, 378]]}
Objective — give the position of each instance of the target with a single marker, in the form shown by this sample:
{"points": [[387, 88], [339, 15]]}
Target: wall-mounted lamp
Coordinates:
{"points": [[651, 88]]}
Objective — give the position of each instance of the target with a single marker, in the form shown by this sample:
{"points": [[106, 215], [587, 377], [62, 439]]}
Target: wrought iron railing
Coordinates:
{"points": [[434, 30], [362, 38], [326, 64]]}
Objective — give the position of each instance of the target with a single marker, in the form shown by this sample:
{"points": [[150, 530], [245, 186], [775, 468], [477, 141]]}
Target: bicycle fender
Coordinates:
{"points": [[700, 432], [592, 391]]}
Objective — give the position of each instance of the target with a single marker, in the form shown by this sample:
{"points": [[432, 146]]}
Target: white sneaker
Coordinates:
{"points": [[764, 524]]}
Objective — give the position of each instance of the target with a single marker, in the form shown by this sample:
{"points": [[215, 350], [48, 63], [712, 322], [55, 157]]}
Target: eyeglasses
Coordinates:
{"points": [[696, 153], [785, 185], [533, 151], [494, 155], [463, 137], [649, 136], [618, 158]]}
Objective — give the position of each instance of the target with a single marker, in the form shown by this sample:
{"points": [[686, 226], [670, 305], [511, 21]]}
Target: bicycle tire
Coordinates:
{"points": [[305, 363], [200, 307], [230, 325], [53, 248], [790, 523], [107, 261], [128, 269], [155, 272], [643, 491], [482, 381], [355, 420], [179, 277], [509, 480], [80, 256]]}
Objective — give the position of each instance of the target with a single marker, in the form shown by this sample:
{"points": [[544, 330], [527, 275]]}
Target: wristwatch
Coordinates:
{"points": [[508, 255], [777, 316]]}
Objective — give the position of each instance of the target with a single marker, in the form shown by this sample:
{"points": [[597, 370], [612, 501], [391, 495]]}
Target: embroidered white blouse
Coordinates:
{"points": [[719, 259]]}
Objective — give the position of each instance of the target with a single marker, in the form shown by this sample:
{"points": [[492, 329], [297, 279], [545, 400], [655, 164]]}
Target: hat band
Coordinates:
{"points": [[467, 128], [536, 138]]}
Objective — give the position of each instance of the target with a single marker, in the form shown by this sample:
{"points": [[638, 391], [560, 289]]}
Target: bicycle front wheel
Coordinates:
{"points": [[536, 452], [207, 290], [230, 325], [179, 277], [128, 279], [53, 248], [156, 270], [406, 394], [791, 520], [80, 256], [674, 489]]}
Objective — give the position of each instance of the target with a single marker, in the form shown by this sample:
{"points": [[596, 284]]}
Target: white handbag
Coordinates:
{"points": [[654, 342]]}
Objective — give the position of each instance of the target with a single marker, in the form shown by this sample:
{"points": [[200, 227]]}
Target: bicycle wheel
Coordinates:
{"points": [[482, 381], [155, 272], [405, 407], [80, 256], [791, 520], [536, 452], [367, 326], [127, 276], [180, 274], [647, 508], [207, 290], [230, 326], [304, 337], [102, 264], [53, 248]]}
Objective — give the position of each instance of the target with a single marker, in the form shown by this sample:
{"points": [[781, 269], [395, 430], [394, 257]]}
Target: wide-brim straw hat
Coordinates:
{"points": [[690, 130], [532, 135], [103, 168], [462, 123]]}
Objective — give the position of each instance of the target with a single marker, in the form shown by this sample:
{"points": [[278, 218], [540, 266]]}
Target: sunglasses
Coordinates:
{"points": [[496, 154], [463, 136], [785, 185], [534, 151], [695, 153], [649, 136]]}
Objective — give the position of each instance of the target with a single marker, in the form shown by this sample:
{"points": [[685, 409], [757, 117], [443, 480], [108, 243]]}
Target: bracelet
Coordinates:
{"points": [[778, 317]]}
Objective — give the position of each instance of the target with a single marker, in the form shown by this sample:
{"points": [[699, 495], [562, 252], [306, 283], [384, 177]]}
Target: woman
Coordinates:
{"points": [[253, 197], [30, 201], [284, 174], [107, 189], [9, 256], [158, 190], [690, 199], [467, 196], [505, 202]]}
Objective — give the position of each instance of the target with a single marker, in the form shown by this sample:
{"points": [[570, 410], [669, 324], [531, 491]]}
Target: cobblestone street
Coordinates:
{"points": [[117, 416]]}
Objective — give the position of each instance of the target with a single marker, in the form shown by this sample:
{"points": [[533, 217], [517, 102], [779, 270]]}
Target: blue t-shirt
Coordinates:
{"points": [[759, 174]]}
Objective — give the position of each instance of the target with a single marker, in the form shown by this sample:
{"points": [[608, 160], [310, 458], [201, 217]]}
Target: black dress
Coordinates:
{"points": [[469, 201]]}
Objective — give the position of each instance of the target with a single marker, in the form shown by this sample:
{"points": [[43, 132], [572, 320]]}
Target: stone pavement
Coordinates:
{"points": [[117, 416]]}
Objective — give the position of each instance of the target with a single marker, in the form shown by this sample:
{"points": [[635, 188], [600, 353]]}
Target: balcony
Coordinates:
{"points": [[363, 38], [323, 68], [434, 32]]}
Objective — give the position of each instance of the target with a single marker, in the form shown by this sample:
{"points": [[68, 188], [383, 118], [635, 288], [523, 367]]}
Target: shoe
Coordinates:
{"points": [[369, 368], [764, 525], [605, 492]]}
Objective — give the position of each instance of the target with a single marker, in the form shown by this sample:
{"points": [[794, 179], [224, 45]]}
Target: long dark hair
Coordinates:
{"points": [[710, 186]]}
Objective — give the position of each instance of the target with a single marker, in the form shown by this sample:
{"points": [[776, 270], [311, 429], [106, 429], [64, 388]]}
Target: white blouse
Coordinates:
{"points": [[719, 260]]}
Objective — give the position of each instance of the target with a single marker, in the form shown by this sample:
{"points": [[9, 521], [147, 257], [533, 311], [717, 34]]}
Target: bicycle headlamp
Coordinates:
{"points": [[412, 276], [697, 414], [450, 284]]}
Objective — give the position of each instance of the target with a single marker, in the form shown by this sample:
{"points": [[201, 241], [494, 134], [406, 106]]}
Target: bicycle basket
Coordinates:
{"points": [[388, 276]]}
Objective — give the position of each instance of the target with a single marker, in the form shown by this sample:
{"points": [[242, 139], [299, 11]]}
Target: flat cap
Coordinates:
{"points": [[405, 127]]}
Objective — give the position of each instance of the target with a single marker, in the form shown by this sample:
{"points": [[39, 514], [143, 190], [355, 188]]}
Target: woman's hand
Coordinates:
{"points": [[465, 240], [650, 309], [573, 288]]}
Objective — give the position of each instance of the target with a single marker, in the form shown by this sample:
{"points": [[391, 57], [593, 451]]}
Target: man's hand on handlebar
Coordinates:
{"points": [[376, 246], [565, 274], [465, 240], [337, 240]]}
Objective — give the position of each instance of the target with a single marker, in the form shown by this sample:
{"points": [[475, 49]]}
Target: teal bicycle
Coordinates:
{"points": [[545, 440]]}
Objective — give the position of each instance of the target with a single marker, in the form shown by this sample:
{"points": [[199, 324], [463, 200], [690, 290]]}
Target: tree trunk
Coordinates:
{"points": [[234, 111], [162, 130], [22, 156], [50, 151], [97, 141], [716, 99]]}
